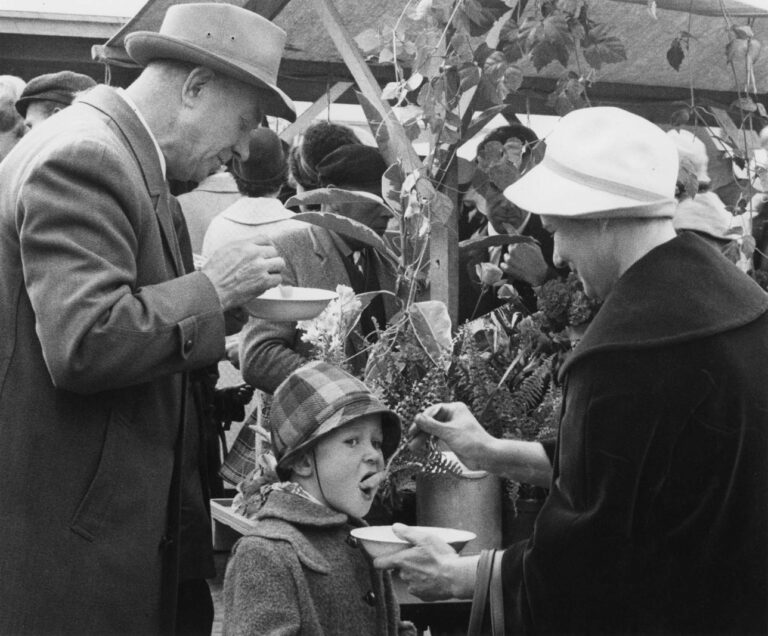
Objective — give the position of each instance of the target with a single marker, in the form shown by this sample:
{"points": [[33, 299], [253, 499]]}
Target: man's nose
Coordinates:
{"points": [[242, 148]]}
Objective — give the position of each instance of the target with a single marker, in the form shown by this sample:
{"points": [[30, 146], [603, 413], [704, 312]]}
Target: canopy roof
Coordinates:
{"points": [[31, 44]]}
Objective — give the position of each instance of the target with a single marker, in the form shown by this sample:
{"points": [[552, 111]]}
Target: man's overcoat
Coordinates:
{"points": [[96, 329]]}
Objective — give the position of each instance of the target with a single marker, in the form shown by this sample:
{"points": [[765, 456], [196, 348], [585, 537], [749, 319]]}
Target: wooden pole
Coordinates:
{"points": [[400, 146], [306, 118], [443, 246]]}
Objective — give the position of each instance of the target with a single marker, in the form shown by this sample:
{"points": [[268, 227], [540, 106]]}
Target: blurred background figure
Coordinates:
{"points": [[503, 156], [48, 94], [11, 123], [204, 202], [700, 210], [259, 180], [318, 141]]}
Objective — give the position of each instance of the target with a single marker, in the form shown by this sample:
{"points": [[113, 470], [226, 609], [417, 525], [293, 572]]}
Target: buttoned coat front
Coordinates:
{"points": [[98, 325], [299, 572]]}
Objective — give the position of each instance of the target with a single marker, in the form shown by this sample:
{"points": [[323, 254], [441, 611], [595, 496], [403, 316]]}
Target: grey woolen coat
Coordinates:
{"points": [[300, 572]]}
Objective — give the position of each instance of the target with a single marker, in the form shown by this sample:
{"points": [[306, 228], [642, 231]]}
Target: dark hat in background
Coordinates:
{"points": [[267, 162], [60, 88], [352, 166]]}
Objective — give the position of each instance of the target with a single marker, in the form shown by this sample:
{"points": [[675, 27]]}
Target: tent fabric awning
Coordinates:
{"points": [[645, 83]]}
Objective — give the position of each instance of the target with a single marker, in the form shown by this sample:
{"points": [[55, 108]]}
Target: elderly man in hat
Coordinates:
{"points": [[657, 517], [99, 450], [47, 94]]}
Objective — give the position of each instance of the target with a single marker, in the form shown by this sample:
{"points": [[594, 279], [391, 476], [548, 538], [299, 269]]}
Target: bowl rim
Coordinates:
{"points": [[461, 535], [318, 294]]}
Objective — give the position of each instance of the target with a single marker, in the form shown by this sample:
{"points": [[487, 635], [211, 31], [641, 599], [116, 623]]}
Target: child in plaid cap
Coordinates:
{"points": [[299, 571]]}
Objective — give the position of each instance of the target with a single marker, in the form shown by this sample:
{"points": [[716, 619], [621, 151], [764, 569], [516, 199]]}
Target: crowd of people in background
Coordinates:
{"points": [[125, 312]]}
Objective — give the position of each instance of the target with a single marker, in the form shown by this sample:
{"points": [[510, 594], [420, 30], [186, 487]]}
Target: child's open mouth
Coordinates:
{"points": [[370, 483]]}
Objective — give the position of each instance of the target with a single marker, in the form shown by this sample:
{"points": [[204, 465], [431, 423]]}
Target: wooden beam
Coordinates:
{"points": [[306, 118], [268, 8]]}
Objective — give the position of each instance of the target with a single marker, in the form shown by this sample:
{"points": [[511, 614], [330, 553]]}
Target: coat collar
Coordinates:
{"points": [[135, 135], [285, 514], [138, 141], [256, 211], [680, 291]]}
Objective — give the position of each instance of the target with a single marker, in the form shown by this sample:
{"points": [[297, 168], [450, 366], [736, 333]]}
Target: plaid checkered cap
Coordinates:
{"points": [[317, 399]]}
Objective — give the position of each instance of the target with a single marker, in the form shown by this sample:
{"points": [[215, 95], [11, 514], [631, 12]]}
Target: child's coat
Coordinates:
{"points": [[299, 572]]}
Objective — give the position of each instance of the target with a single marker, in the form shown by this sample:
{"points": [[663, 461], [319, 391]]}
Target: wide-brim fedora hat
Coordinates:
{"points": [[229, 39], [601, 162]]}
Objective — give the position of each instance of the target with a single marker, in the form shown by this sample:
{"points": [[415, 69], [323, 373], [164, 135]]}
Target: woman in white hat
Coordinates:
{"points": [[658, 507]]}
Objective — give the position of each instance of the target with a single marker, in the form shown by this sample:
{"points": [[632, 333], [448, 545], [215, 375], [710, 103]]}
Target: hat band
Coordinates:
{"points": [[604, 185]]}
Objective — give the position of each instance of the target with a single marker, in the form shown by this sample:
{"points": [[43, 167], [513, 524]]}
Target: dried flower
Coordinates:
{"points": [[328, 332]]}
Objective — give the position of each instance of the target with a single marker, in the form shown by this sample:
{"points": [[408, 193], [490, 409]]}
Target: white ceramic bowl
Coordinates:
{"points": [[382, 541], [286, 303]]}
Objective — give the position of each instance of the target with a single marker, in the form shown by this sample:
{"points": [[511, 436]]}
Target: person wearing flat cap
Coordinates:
{"points": [[316, 257], [657, 515], [47, 94], [104, 323]]}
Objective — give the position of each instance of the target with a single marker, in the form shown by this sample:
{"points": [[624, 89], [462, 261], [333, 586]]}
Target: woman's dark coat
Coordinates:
{"points": [[657, 519]]}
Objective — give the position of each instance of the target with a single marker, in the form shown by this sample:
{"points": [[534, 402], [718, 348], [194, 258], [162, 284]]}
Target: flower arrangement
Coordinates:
{"points": [[327, 333], [503, 365]]}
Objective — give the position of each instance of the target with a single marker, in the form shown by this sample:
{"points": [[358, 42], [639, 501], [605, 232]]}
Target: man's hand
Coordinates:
{"points": [[431, 568], [457, 427], [242, 270]]}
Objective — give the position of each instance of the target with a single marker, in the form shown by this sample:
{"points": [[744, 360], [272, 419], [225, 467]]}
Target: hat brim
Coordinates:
{"points": [[546, 192], [64, 98], [390, 424], [146, 46]]}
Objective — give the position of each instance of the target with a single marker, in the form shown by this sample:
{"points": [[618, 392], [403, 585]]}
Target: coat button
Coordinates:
{"points": [[188, 344], [370, 598], [351, 541]]}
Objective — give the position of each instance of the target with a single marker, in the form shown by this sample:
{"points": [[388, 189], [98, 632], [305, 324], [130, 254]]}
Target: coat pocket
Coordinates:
{"points": [[112, 474]]}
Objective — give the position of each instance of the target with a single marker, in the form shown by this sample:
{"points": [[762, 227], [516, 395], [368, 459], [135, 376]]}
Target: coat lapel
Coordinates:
{"points": [[138, 141]]}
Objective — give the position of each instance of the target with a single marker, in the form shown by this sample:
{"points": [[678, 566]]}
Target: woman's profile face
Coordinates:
{"points": [[586, 249]]}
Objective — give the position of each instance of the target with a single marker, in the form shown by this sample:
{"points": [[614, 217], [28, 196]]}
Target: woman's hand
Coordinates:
{"points": [[431, 568], [457, 427]]}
